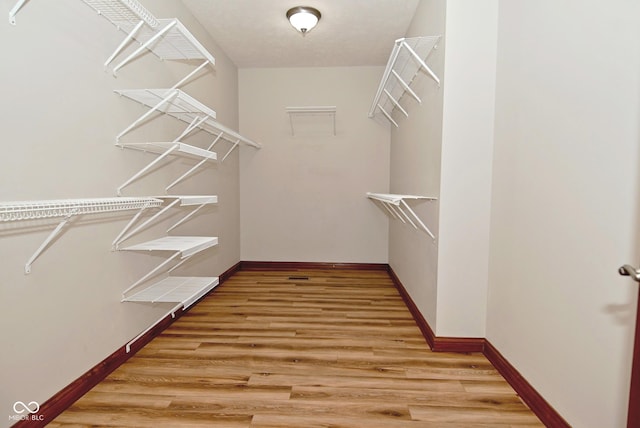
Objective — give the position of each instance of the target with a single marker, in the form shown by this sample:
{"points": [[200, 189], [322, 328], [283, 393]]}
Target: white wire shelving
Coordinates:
{"points": [[408, 58], [168, 39], [164, 150], [398, 208], [184, 291], [197, 202], [311, 110], [180, 247], [185, 108], [67, 209]]}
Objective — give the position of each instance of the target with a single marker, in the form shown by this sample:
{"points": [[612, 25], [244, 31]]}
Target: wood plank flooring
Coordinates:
{"points": [[339, 349]]}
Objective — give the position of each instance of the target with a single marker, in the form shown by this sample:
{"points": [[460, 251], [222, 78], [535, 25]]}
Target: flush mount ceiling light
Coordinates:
{"points": [[303, 18]]}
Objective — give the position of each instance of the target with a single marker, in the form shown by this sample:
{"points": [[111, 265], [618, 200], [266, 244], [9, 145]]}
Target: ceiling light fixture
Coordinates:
{"points": [[303, 18]]}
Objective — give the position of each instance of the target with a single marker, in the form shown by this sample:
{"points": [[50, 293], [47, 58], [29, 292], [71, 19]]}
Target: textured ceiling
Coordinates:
{"points": [[256, 33]]}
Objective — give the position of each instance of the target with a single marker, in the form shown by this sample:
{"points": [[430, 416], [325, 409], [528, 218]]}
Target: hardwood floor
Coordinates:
{"points": [[338, 349]]}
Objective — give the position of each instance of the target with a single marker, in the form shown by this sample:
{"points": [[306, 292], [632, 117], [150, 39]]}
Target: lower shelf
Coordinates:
{"points": [[178, 289]]}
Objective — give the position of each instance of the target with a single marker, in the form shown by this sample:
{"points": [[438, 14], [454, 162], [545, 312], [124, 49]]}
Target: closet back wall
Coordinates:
{"points": [[303, 196], [59, 121]]}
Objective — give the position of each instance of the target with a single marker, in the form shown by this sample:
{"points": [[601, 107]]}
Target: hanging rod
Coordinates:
{"points": [[398, 208], [30, 210], [67, 208]]}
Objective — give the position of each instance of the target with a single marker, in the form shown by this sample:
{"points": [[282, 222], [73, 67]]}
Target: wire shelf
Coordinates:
{"points": [[398, 208], [164, 150], [407, 59], [197, 201], [165, 38], [68, 208], [124, 14], [185, 246], [30, 210], [182, 290], [178, 289]]}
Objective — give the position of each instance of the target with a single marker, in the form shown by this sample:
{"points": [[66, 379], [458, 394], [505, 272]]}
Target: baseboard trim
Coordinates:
{"points": [[536, 402], [270, 265], [538, 405], [423, 325], [55, 405], [229, 272]]}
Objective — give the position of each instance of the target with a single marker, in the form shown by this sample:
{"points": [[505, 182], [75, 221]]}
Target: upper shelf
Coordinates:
{"points": [[407, 59], [180, 105], [398, 208], [166, 38]]}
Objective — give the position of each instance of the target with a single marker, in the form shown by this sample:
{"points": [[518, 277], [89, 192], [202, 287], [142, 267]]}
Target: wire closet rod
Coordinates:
{"points": [[30, 210], [67, 208]]}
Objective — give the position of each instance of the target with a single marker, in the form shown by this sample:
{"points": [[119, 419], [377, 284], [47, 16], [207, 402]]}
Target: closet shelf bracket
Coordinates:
{"points": [[14, 11], [398, 208], [407, 59], [195, 201]]}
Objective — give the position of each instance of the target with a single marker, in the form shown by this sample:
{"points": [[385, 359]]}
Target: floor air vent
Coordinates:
{"points": [[305, 278]]}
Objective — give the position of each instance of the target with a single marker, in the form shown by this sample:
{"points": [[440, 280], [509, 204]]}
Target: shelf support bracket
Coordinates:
{"points": [[388, 116], [151, 273], [146, 168], [145, 45], [230, 150], [45, 244], [144, 224], [124, 43], [190, 75], [195, 167], [415, 216], [166, 99], [14, 11], [186, 217], [172, 312], [406, 87], [422, 63], [396, 103]]}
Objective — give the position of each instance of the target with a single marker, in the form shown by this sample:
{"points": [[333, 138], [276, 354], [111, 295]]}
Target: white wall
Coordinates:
{"points": [[565, 204], [416, 149], [303, 195], [465, 183], [59, 120]]}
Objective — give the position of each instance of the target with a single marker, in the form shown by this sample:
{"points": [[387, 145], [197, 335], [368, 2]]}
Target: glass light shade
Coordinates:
{"points": [[303, 18]]}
